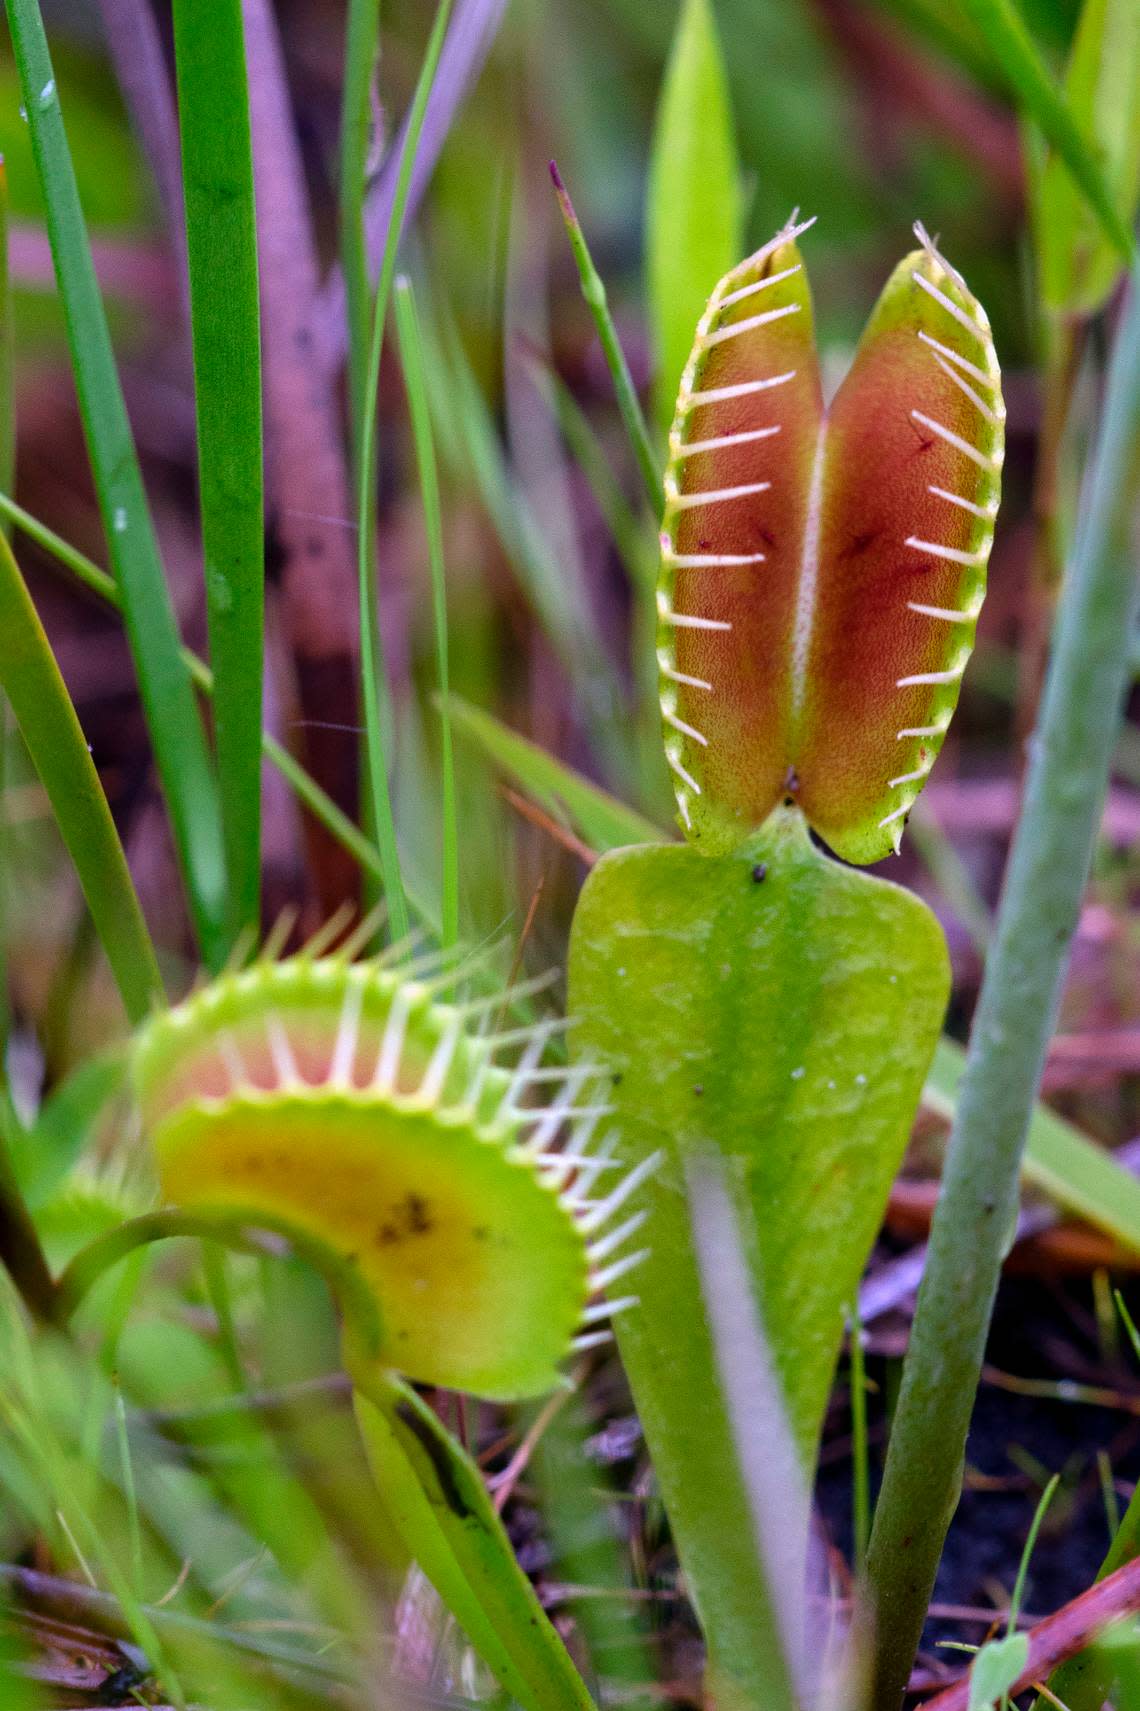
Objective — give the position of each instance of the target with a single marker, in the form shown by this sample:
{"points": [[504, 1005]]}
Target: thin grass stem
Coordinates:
{"points": [[860, 1458], [412, 358], [1048, 868], [373, 674], [594, 292]]}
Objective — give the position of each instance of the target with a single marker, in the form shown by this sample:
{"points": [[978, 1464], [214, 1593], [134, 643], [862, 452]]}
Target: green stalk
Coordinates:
{"points": [[412, 358], [30, 678], [20, 1251], [1048, 868], [172, 715], [7, 482], [7, 353], [221, 238], [361, 51], [860, 1456], [594, 291], [373, 677]]}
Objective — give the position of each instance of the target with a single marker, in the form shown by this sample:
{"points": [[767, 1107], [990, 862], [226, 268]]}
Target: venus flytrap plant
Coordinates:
{"points": [[451, 1188], [822, 570]]}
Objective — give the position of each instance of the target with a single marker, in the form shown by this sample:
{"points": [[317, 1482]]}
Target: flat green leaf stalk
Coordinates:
{"points": [[778, 1011], [221, 236], [1048, 868], [173, 720]]}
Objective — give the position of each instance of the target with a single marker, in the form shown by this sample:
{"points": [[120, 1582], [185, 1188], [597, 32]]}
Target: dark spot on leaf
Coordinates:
{"points": [[416, 1215], [698, 1089], [860, 543], [480, 1232], [760, 872], [387, 1235]]}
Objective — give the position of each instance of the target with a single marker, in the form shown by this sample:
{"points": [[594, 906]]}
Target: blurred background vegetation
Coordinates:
{"points": [[136, 1496]]}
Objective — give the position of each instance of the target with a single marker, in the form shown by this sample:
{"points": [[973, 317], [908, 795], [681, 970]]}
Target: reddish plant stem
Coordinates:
{"points": [[1060, 1636]]}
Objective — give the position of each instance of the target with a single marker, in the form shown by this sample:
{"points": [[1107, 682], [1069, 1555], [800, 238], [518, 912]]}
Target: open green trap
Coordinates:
{"points": [[345, 1104]]}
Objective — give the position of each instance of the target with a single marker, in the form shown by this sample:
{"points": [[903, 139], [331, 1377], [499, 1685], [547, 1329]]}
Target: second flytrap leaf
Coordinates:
{"points": [[782, 1010]]}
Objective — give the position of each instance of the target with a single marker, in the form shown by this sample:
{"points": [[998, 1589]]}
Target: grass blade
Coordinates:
{"points": [[412, 358], [594, 291], [1045, 880], [361, 51], [1077, 1173], [221, 236], [30, 678], [470, 37], [693, 216], [373, 677], [168, 699], [1015, 54], [1079, 268], [601, 819], [7, 478]]}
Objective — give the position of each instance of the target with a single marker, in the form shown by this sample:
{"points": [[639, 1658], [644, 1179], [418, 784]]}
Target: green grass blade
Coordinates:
{"points": [[373, 676], [601, 819], [7, 481], [1021, 66], [217, 172], [1078, 267], [30, 678], [594, 291], [412, 358], [7, 352], [693, 216], [361, 51], [1079, 1175], [1045, 880], [558, 603], [168, 699]]}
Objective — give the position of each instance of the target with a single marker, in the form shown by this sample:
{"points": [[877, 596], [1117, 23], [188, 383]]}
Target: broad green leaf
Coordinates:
{"points": [[822, 571], [31, 680], [221, 237], [783, 1010], [436, 1499], [1026, 74], [602, 820], [1078, 1174], [693, 217], [995, 1669], [1079, 265]]}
